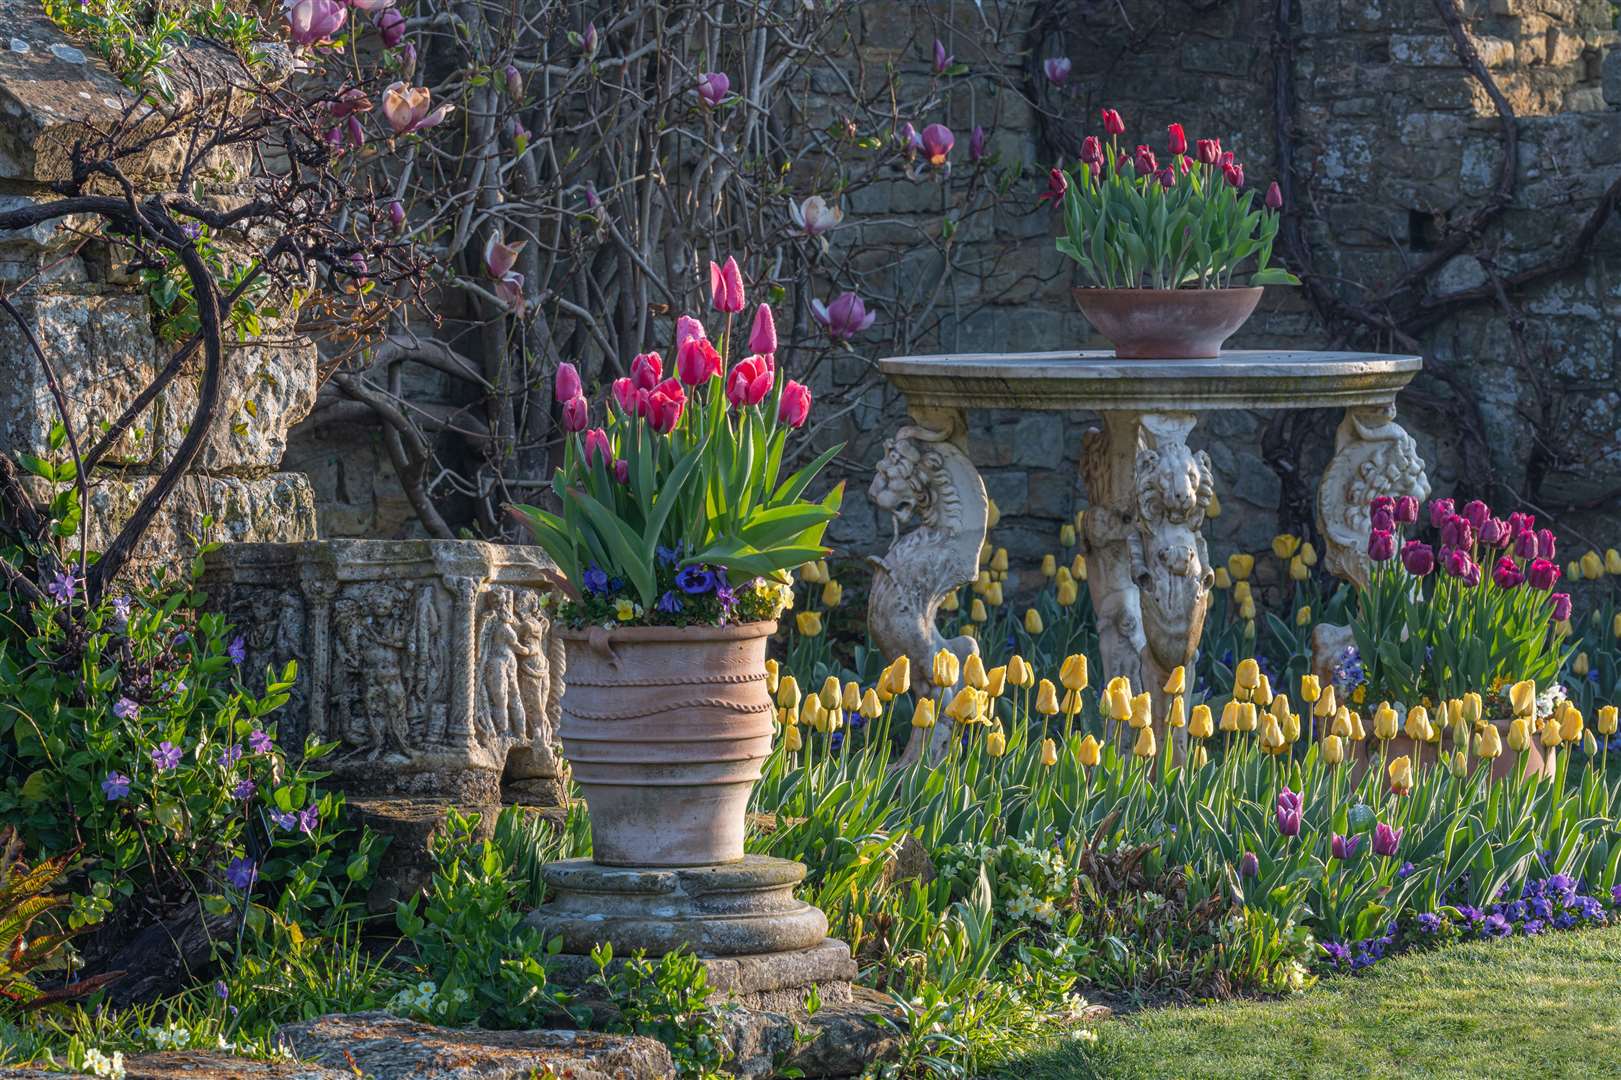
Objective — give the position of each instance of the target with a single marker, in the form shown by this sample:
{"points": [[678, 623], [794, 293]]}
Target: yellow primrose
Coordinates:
{"points": [[1049, 753], [1049, 565], [973, 672], [1142, 710], [1177, 713], [1284, 545], [1088, 752], [809, 623], [995, 743], [1146, 747], [1201, 724], [1072, 674], [1066, 535], [1489, 743], [1032, 622], [1239, 566], [1401, 775], [788, 692], [1046, 698], [946, 669], [1608, 716], [1523, 696], [1333, 750], [923, 714]]}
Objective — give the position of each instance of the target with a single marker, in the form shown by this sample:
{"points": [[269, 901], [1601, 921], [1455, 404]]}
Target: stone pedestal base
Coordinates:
{"points": [[758, 942]]}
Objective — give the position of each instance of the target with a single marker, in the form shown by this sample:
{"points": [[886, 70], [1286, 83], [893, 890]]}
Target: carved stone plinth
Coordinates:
{"points": [[430, 662], [757, 940], [1150, 570]]}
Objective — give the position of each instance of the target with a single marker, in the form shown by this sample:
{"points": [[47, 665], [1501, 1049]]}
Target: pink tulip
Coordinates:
{"points": [[1545, 544], [1112, 124], [1561, 606], [1407, 510], [1208, 151], [647, 369], [1274, 196], [726, 286], [597, 447], [390, 27], [844, 318], [576, 414], [697, 362], [749, 381], [1057, 69], [713, 87], [795, 405], [1506, 574], [407, 108], [568, 382], [626, 394], [664, 408], [687, 328], [312, 21], [763, 336], [622, 471], [937, 143], [1543, 575], [499, 256]]}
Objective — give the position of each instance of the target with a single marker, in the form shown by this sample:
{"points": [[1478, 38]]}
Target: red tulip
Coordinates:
{"points": [[750, 381], [698, 362], [664, 409], [1207, 150], [576, 414], [1144, 161], [625, 393], [1092, 153], [1057, 184], [726, 286], [1274, 196], [1177, 142], [1112, 122], [763, 337], [568, 382], [795, 405], [646, 370], [598, 446], [1234, 175]]}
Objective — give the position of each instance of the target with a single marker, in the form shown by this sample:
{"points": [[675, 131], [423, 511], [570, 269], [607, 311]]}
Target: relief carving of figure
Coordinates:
{"points": [[500, 656], [1373, 456], [1170, 561], [370, 638], [926, 481]]}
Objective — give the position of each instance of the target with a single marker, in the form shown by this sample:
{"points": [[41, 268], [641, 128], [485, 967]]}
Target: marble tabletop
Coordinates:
{"points": [[1096, 379]]}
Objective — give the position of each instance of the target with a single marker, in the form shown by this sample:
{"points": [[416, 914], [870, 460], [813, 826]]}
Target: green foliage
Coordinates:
{"points": [[170, 291], [138, 38], [666, 999], [527, 841], [25, 899]]}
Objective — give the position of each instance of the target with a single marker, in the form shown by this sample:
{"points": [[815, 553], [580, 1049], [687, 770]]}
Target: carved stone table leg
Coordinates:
{"points": [[1373, 456], [926, 481], [1149, 567]]}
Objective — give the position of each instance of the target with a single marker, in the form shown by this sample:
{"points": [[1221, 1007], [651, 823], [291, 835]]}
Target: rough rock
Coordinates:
{"points": [[411, 826], [384, 1047], [839, 1039], [194, 1065]]}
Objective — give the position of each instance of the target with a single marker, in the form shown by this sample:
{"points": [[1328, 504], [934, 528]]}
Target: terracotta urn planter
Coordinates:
{"points": [[666, 729], [1167, 324]]}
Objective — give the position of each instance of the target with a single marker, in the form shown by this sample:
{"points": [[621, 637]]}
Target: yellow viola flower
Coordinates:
{"points": [[1072, 674], [788, 692], [1047, 698], [809, 623], [1298, 570], [1284, 545], [793, 740], [923, 714], [1310, 688], [1523, 696], [1142, 710], [1176, 713], [1201, 724], [1229, 716], [1224, 580], [1239, 566], [900, 675], [973, 672], [999, 561], [1088, 752], [1049, 753], [996, 680], [1333, 750], [1489, 743], [1519, 734], [1145, 747], [1592, 566], [1248, 675], [1049, 565], [946, 669], [1303, 615], [1417, 725], [1176, 680], [1401, 775], [1308, 554], [1077, 568], [1032, 622], [1326, 705], [995, 743], [851, 702], [1385, 721], [1608, 715], [1066, 535]]}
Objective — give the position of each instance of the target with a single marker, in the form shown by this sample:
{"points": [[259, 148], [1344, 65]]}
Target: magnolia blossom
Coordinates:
{"points": [[814, 216], [407, 108], [370, 5], [937, 143], [352, 100], [713, 86], [976, 143], [509, 290], [312, 21], [499, 256], [1057, 69], [390, 27], [844, 318], [941, 59]]}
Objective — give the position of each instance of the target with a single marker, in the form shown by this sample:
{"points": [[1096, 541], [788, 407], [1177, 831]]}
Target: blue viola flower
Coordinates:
{"points": [[695, 579], [596, 579], [669, 603]]}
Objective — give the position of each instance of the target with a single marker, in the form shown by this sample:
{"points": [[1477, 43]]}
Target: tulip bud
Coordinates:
{"points": [[1303, 616], [1580, 666], [1310, 688], [1176, 714], [832, 690], [996, 680], [851, 700], [1066, 535], [1201, 725], [1145, 747], [1072, 674], [1229, 716], [1176, 681], [1032, 622], [1401, 775], [1523, 697], [1249, 865], [946, 669], [1519, 735], [1570, 723], [1551, 734], [923, 714], [1248, 716], [1272, 740], [977, 612], [1489, 743], [1016, 669], [793, 740], [1326, 706], [993, 594], [973, 672], [995, 744], [900, 675], [1417, 726], [965, 706], [1385, 722], [1077, 570], [1248, 675], [1333, 750], [1607, 719], [951, 603], [1088, 752], [1046, 698], [1049, 753], [1142, 710], [1239, 566], [1592, 566]]}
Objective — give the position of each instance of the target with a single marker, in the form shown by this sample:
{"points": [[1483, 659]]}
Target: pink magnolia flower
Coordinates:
{"points": [[352, 100], [795, 405], [509, 290], [407, 108], [696, 362], [713, 86], [514, 79], [937, 143], [576, 414], [568, 385], [763, 335], [390, 27], [814, 216], [844, 318], [976, 144], [726, 286], [396, 215], [941, 59], [750, 381], [1057, 69], [499, 256], [312, 21]]}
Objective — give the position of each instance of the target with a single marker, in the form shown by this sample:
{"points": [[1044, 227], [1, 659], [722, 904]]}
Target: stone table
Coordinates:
{"points": [[1149, 568]]}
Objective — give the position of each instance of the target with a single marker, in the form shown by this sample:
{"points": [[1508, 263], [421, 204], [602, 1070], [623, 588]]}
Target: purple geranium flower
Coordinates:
{"points": [[242, 873], [166, 756], [115, 786]]}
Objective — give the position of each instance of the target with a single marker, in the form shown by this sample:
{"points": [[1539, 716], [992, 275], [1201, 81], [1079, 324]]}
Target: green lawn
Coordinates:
{"points": [[1546, 1007]]}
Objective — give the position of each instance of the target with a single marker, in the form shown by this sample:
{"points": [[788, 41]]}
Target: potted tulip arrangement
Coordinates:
{"points": [[1164, 242], [674, 532]]}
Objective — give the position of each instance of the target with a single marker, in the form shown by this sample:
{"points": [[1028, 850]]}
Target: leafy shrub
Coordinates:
{"points": [[25, 898], [666, 999]]}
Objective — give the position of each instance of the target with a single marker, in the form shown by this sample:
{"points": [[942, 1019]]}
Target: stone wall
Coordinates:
{"points": [[93, 322]]}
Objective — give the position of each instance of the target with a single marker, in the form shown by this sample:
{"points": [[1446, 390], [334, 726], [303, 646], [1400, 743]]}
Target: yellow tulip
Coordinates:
{"points": [[1246, 611], [1570, 724], [1088, 752], [1263, 695], [1607, 719], [832, 690], [965, 706], [1049, 565], [1046, 698], [1068, 592], [1077, 568], [951, 603], [1280, 706], [1333, 750], [1326, 705], [832, 594], [1612, 562], [1080, 521], [1197, 758], [1384, 721], [1284, 545], [900, 675], [1117, 700], [1357, 731], [996, 680], [1229, 716], [1615, 627], [1177, 713], [999, 560], [1032, 622], [976, 610], [1523, 696], [1224, 580], [1519, 734], [1242, 591], [1401, 775], [1248, 716], [788, 692], [1049, 753], [807, 573], [1073, 672], [1342, 722], [993, 595], [1308, 554], [986, 550], [946, 669], [1417, 726], [1298, 570], [1573, 570], [1213, 509], [1458, 764], [1592, 566], [1303, 616], [993, 513], [1146, 747], [1072, 702], [923, 714], [1470, 708], [1239, 565], [1310, 688], [1176, 680], [1016, 669], [1201, 725], [995, 743], [1066, 535], [809, 623], [772, 672], [1589, 743], [1580, 666], [1561, 628], [1272, 739], [1248, 676], [1291, 726], [870, 708], [1489, 743], [1142, 710], [793, 740], [973, 672], [1551, 734], [812, 715]]}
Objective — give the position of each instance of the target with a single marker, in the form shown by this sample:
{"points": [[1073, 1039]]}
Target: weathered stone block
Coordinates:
{"points": [[278, 508], [1610, 73], [430, 662], [269, 385]]}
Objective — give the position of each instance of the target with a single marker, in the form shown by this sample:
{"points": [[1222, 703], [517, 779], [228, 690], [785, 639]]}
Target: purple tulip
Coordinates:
{"points": [[1344, 847], [1456, 532], [1440, 510], [1249, 865], [1381, 545], [1382, 518], [1525, 543], [1418, 557], [1506, 574], [1561, 607], [1407, 509], [1545, 544], [1057, 69], [1494, 532], [312, 21], [844, 318], [976, 144], [1458, 564], [1542, 574], [1288, 813], [713, 86], [1386, 840], [1476, 512]]}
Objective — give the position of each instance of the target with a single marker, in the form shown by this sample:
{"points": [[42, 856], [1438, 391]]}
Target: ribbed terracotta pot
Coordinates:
{"points": [[666, 729], [1168, 324]]}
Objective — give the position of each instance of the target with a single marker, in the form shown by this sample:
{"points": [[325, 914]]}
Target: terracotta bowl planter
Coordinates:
{"points": [[1167, 324], [666, 729]]}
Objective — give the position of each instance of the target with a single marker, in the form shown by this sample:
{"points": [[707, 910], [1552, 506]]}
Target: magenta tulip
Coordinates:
{"points": [[1288, 813], [1381, 545], [1506, 574], [1494, 532], [1382, 519], [763, 335], [1456, 532], [1440, 510], [1407, 509], [1057, 184], [1475, 513], [1143, 161], [576, 414], [749, 381], [697, 362], [1274, 196], [1545, 544], [622, 471], [598, 448], [647, 369], [1542, 574], [568, 382], [1525, 544], [1343, 847], [1561, 606], [726, 286], [1418, 557], [795, 405], [1092, 153], [1386, 841]]}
